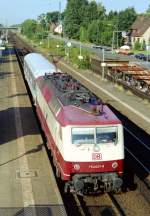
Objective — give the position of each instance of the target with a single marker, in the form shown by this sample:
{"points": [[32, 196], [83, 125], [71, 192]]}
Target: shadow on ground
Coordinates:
{"points": [[10, 117]]}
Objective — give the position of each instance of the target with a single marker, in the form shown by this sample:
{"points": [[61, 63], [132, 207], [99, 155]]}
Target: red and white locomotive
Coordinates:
{"points": [[85, 137]]}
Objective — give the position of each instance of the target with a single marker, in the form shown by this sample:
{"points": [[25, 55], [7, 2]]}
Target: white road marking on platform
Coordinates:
{"points": [[27, 190]]}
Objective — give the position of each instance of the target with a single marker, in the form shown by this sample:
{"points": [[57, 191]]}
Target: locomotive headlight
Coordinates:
{"points": [[114, 165], [76, 166]]}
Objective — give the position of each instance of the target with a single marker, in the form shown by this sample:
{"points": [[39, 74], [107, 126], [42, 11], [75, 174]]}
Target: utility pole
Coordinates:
{"points": [[49, 28], [59, 18], [113, 39], [6, 30]]}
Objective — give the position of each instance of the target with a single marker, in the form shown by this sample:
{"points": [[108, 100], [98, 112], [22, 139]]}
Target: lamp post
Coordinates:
{"points": [[48, 39], [80, 57], [57, 48], [68, 45], [103, 64], [80, 48], [47, 31]]}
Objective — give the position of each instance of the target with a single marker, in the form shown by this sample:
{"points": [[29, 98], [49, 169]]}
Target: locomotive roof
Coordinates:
{"points": [[38, 64], [74, 101]]}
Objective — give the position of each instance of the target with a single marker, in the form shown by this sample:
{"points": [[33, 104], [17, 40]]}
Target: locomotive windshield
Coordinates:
{"points": [[83, 135], [97, 135], [106, 135]]}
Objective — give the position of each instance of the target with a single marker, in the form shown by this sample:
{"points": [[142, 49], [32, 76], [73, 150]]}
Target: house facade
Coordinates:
{"points": [[140, 31]]}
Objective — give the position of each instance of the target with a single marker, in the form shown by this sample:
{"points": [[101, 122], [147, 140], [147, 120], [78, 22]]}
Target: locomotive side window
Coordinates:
{"points": [[106, 135], [83, 135]]}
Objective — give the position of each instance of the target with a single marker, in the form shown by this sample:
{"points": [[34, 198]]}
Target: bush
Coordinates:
{"points": [[137, 45], [144, 45], [85, 63]]}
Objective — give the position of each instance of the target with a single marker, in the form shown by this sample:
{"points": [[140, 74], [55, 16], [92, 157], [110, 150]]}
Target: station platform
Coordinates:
{"points": [[27, 184], [130, 105]]}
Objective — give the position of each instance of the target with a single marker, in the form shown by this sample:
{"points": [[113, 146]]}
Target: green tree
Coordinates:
{"points": [[74, 17], [83, 34], [29, 28], [148, 10], [91, 13], [53, 17], [101, 11], [126, 18], [92, 32], [137, 45], [42, 20], [95, 30], [143, 45], [112, 15], [107, 34]]}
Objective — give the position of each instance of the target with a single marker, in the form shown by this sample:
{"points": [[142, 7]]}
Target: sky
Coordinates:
{"points": [[16, 11]]}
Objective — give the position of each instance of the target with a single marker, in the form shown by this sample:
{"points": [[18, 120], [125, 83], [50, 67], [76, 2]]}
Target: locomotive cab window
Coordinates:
{"points": [[83, 135], [106, 135], [99, 135]]}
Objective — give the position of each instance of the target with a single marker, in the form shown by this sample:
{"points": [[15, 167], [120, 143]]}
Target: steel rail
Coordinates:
{"points": [[146, 169], [140, 141], [117, 205], [84, 208]]}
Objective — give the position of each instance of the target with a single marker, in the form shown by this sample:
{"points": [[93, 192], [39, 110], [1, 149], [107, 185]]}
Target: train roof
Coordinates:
{"points": [[38, 64], [72, 103], [72, 115]]}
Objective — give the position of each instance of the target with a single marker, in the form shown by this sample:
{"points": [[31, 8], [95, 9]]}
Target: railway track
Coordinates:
{"points": [[135, 158], [99, 205], [103, 204], [137, 146], [133, 89]]}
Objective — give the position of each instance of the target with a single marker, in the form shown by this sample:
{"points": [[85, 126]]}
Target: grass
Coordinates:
{"points": [[141, 51], [58, 48]]}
